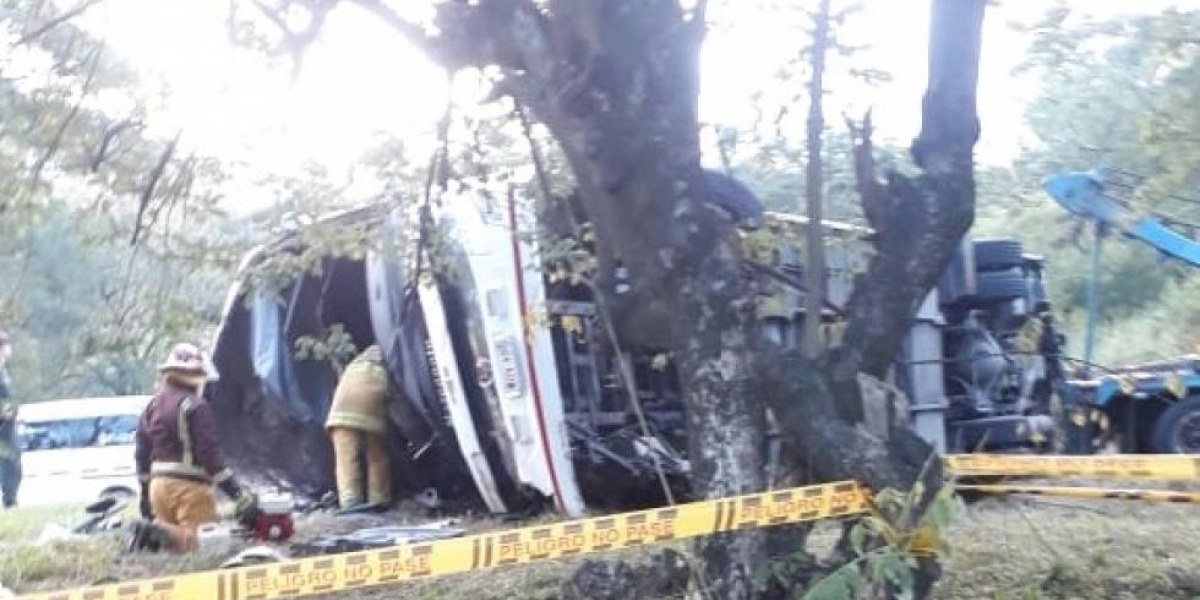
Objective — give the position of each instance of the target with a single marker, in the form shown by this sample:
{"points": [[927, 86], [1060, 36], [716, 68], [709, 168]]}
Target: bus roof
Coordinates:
{"points": [[82, 408], [829, 226]]}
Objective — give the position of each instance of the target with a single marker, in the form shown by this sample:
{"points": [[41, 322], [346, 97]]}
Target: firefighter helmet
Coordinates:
{"points": [[186, 358]]}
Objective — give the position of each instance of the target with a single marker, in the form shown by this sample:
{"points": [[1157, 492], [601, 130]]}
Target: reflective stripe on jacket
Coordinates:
{"points": [[177, 437], [360, 400]]}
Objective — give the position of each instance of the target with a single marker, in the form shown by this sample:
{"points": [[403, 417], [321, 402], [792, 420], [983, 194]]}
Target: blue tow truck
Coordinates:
{"points": [[1152, 407]]}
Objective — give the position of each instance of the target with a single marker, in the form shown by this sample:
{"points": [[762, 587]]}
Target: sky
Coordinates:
{"points": [[360, 79]]}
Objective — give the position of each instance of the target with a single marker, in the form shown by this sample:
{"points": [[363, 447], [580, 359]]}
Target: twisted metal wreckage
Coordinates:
{"points": [[510, 390]]}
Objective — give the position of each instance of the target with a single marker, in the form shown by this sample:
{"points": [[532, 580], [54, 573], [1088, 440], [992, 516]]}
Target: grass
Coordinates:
{"points": [[27, 567], [1018, 550], [24, 563], [1004, 549], [25, 523]]}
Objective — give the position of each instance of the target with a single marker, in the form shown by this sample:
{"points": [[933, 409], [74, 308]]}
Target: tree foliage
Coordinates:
{"points": [[1119, 95], [110, 237]]}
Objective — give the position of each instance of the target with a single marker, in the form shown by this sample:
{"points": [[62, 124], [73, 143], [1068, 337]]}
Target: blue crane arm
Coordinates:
{"points": [[1166, 240], [1082, 194]]}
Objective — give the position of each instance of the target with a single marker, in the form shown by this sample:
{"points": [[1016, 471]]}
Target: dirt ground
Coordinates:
{"points": [[1003, 549]]}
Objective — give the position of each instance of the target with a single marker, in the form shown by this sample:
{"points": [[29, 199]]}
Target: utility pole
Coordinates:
{"points": [[1093, 299], [814, 263]]}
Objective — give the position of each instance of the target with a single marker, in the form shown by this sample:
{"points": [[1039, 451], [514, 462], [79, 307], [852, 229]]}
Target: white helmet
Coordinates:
{"points": [[186, 358]]}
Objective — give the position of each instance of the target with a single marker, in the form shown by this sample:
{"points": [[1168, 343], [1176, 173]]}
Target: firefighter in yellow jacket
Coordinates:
{"points": [[357, 426]]}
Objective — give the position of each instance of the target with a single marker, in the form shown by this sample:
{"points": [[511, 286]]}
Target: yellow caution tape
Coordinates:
{"points": [[1162, 467], [1086, 492], [356, 570]]}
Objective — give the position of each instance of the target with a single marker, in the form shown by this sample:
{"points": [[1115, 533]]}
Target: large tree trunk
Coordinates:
{"points": [[919, 224], [630, 131]]}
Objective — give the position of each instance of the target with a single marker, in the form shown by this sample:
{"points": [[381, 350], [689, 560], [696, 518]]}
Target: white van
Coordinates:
{"points": [[74, 451]]}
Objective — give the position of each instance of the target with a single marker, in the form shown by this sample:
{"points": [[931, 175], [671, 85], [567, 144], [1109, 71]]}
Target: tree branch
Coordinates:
{"points": [[106, 142], [56, 142], [479, 34], [863, 158], [840, 16], [32, 14], [148, 192], [79, 9], [298, 42], [919, 222], [411, 32], [788, 280]]}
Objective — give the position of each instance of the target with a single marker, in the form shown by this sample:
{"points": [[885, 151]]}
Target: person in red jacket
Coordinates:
{"points": [[179, 457]]}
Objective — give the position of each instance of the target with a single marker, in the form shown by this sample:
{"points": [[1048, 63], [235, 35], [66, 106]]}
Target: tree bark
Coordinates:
{"points": [[918, 225], [918, 222], [626, 119]]}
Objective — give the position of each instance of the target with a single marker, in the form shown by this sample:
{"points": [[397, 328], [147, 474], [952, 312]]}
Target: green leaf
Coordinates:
{"points": [[858, 537], [942, 510], [843, 584], [894, 568]]}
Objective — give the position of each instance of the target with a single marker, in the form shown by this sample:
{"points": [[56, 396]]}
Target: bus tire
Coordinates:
{"points": [[998, 286], [998, 254]]}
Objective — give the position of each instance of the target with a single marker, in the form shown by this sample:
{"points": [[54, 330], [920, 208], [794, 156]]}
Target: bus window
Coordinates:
{"points": [[78, 433], [117, 431]]}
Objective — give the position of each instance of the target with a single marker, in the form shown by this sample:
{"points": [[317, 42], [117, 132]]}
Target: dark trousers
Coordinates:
{"points": [[10, 480]]}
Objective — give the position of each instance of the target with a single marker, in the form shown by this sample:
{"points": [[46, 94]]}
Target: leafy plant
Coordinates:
{"points": [[887, 545], [336, 347]]}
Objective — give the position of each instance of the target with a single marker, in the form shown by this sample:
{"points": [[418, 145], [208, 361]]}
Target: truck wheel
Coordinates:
{"points": [[996, 255], [999, 286], [1177, 430]]}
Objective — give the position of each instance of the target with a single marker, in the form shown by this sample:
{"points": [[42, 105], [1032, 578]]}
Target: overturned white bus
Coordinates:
{"points": [[509, 391]]}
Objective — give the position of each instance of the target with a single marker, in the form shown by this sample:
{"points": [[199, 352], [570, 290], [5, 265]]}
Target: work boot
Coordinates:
{"points": [[147, 537], [361, 508]]}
